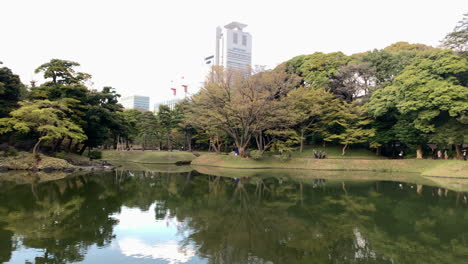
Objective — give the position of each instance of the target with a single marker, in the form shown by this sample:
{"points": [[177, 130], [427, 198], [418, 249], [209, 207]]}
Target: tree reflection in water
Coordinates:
{"points": [[246, 220]]}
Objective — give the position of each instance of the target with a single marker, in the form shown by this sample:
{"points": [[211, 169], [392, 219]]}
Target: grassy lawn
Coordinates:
{"points": [[155, 157], [334, 152], [451, 168]]}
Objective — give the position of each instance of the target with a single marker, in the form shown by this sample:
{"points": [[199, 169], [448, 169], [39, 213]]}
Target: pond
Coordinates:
{"points": [[179, 215]]}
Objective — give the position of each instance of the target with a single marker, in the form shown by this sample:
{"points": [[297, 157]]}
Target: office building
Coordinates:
{"points": [[170, 103], [233, 47], [136, 102]]}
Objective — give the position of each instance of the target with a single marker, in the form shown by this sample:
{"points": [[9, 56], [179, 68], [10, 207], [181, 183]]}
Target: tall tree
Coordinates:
{"points": [[317, 69], [306, 106], [353, 80], [346, 124], [242, 106], [148, 128], [101, 120], [427, 94], [11, 91], [62, 72], [458, 38]]}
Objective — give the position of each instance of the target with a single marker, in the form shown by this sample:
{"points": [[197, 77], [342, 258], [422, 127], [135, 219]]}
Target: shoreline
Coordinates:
{"points": [[430, 168]]}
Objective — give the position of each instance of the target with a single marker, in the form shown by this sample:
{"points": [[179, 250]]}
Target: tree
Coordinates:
{"points": [[458, 38], [389, 62], [11, 91], [426, 95], [306, 106], [346, 124], [317, 69], [101, 120], [185, 125], [148, 128], [131, 118], [167, 121], [353, 80], [242, 106], [62, 72], [44, 118]]}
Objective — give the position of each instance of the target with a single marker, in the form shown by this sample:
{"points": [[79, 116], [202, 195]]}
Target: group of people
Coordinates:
{"points": [[444, 155], [439, 154]]}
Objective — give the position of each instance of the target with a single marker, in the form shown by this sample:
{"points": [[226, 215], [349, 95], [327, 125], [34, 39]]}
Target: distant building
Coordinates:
{"points": [[136, 102], [233, 47], [170, 103]]}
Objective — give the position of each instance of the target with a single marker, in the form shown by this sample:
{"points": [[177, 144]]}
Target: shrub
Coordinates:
{"points": [[9, 151], [256, 154], [95, 154], [285, 156]]}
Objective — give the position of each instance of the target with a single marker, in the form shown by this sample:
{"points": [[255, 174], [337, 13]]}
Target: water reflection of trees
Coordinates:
{"points": [[247, 220]]}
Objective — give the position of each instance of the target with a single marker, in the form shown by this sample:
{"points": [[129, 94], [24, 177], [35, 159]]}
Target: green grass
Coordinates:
{"points": [[450, 168], [334, 152], [154, 157]]}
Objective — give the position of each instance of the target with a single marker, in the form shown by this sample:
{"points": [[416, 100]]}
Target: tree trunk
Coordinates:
{"points": [[257, 140], [459, 152], [419, 152], [75, 148], [36, 147], [57, 145], [114, 143], [302, 140], [70, 144], [242, 152], [82, 150], [344, 150], [188, 138]]}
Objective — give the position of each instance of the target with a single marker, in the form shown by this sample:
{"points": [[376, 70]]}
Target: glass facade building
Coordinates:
{"points": [[136, 102]]}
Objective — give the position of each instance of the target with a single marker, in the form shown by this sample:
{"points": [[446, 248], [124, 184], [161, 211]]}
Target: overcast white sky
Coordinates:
{"points": [[139, 46]]}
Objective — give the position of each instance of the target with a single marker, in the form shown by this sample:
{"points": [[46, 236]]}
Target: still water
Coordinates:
{"points": [[176, 216]]}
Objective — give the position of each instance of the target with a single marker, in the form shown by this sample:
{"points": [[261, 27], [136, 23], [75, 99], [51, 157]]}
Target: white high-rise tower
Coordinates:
{"points": [[233, 47]]}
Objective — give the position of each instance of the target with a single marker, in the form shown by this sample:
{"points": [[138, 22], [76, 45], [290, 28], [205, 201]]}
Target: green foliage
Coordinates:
{"points": [[11, 91], [426, 95], [458, 38], [256, 154], [44, 118], [95, 154], [316, 69], [62, 72], [8, 151], [284, 140]]}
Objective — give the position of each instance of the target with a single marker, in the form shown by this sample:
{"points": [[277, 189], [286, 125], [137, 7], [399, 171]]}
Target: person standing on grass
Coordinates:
{"points": [[465, 157], [439, 154], [446, 156]]}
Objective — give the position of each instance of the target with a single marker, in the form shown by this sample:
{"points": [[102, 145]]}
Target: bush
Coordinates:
{"points": [[285, 156], [256, 154], [95, 154], [8, 151]]}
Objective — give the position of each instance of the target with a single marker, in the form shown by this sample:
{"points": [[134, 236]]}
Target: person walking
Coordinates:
{"points": [[446, 156], [465, 156], [439, 154]]}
